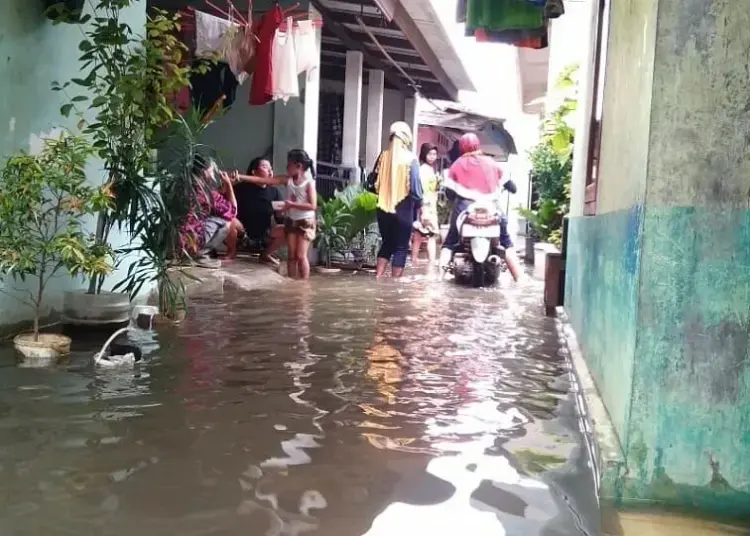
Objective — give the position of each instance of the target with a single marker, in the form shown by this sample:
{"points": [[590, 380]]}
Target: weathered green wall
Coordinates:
{"points": [[603, 261], [33, 53], [686, 434]]}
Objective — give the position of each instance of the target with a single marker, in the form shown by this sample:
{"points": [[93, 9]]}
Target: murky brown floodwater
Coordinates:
{"points": [[340, 408]]}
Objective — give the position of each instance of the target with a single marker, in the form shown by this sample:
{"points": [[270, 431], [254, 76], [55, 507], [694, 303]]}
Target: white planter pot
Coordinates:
{"points": [[327, 271], [541, 250], [44, 352], [105, 309]]}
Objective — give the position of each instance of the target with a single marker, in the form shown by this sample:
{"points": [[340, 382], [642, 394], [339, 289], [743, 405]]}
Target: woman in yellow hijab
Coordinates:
{"points": [[399, 199]]}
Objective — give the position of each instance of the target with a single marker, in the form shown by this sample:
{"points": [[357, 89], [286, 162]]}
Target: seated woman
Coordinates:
{"points": [[212, 223], [255, 209]]}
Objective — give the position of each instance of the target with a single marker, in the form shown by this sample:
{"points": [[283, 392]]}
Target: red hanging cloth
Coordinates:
{"points": [[261, 89]]}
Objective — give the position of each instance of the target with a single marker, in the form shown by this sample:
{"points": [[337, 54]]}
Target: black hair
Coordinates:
{"points": [[200, 164], [255, 164], [425, 150], [300, 156]]}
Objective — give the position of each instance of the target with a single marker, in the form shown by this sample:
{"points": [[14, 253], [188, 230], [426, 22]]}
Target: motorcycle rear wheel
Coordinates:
{"points": [[477, 274]]}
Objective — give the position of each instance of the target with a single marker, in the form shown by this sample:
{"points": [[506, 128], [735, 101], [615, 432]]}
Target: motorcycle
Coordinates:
{"points": [[479, 259]]}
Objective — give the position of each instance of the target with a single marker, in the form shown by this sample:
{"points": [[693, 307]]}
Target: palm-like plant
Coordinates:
{"points": [[159, 236], [334, 218]]}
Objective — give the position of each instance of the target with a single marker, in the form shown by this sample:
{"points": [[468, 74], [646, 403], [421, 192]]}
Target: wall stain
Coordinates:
{"points": [[714, 357], [695, 22]]}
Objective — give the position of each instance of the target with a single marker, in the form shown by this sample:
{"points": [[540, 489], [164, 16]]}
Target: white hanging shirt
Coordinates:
{"points": [[209, 34], [305, 42], [285, 81]]}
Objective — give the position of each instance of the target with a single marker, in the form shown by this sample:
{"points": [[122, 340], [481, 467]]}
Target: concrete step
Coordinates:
{"points": [[648, 524]]}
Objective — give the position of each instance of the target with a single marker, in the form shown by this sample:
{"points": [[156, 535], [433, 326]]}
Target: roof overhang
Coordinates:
{"points": [[405, 40], [456, 119]]}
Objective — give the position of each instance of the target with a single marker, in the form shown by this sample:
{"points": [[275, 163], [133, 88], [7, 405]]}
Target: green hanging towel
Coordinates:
{"points": [[499, 15]]}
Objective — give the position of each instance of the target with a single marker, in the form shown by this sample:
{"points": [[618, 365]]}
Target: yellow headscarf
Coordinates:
{"points": [[393, 173]]}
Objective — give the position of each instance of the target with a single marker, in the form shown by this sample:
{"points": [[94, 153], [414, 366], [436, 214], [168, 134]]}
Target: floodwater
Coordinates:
{"points": [[342, 407]]}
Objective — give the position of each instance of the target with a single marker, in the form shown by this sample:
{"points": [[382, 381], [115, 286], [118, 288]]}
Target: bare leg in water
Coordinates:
{"points": [[277, 240], [382, 266], [416, 245], [303, 263], [514, 264], [291, 263]]}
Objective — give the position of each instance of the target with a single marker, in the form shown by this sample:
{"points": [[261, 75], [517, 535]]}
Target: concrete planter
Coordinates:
{"points": [[541, 250], [44, 352], [105, 309]]}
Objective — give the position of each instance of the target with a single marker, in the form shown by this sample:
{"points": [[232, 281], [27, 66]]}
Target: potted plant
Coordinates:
{"points": [[361, 205], [333, 219], [44, 199], [123, 101]]}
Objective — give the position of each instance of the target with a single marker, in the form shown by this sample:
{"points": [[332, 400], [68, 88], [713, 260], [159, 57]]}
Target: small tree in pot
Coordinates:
{"points": [[44, 199], [123, 99]]}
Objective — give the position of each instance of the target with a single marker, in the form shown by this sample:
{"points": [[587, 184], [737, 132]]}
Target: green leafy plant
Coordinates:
{"points": [[44, 199], [334, 218], [360, 232], [159, 238], [552, 165], [123, 100]]}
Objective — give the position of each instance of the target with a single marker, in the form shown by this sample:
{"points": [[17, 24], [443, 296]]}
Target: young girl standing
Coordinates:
{"points": [[426, 227], [300, 208]]}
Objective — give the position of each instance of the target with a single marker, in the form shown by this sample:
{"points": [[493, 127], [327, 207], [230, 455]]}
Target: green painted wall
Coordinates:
{"points": [[33, 53], [686, 430]]}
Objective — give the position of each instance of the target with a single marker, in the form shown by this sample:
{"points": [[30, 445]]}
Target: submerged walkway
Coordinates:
{"points": [[341, 407]]}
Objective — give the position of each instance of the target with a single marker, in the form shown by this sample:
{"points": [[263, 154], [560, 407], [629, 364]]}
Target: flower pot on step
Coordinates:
{"points": [[101, 310], [327, 271], [46, 351]]}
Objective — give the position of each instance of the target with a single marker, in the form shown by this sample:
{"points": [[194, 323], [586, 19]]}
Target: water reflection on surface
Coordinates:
{"points": [[342, 408]]}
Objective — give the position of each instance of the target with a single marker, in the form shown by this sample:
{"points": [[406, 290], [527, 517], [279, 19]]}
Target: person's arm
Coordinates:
{"points": [[450, 193], [312, 205], [228, 191], [261, 181], [415, 186], [278, 214]]}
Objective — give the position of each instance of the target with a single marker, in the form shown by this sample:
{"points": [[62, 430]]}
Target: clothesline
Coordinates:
{"points": [[233, 16]]}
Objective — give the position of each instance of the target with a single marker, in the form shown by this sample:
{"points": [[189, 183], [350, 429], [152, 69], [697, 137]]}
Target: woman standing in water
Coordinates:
{"points": [[299, 208], [399, 192], [426, 226]]}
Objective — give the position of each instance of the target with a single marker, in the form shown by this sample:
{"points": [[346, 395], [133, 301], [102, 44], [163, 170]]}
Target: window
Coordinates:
{"points": [[595, 137]]}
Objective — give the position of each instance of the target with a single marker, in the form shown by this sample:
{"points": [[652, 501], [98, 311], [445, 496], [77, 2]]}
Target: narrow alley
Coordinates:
{"points": [[336, 408]]}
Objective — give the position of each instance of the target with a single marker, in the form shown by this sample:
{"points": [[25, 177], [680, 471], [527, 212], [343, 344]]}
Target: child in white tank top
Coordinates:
{"points": [[300, 208]]}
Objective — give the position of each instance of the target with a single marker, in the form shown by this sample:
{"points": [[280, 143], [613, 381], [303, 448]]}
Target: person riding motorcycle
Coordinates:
{"points": [[473, 177]]}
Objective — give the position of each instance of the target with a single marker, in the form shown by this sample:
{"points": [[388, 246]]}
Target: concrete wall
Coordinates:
{"points": [[243, 132], [33, 53], [686, 428], [604, 267]]}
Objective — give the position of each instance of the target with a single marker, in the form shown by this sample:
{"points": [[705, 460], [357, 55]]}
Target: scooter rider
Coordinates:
{"points": [[473, 177]]}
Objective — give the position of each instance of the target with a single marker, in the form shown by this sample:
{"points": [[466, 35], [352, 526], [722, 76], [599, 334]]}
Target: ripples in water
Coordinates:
{"points": [[340, 408]]}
